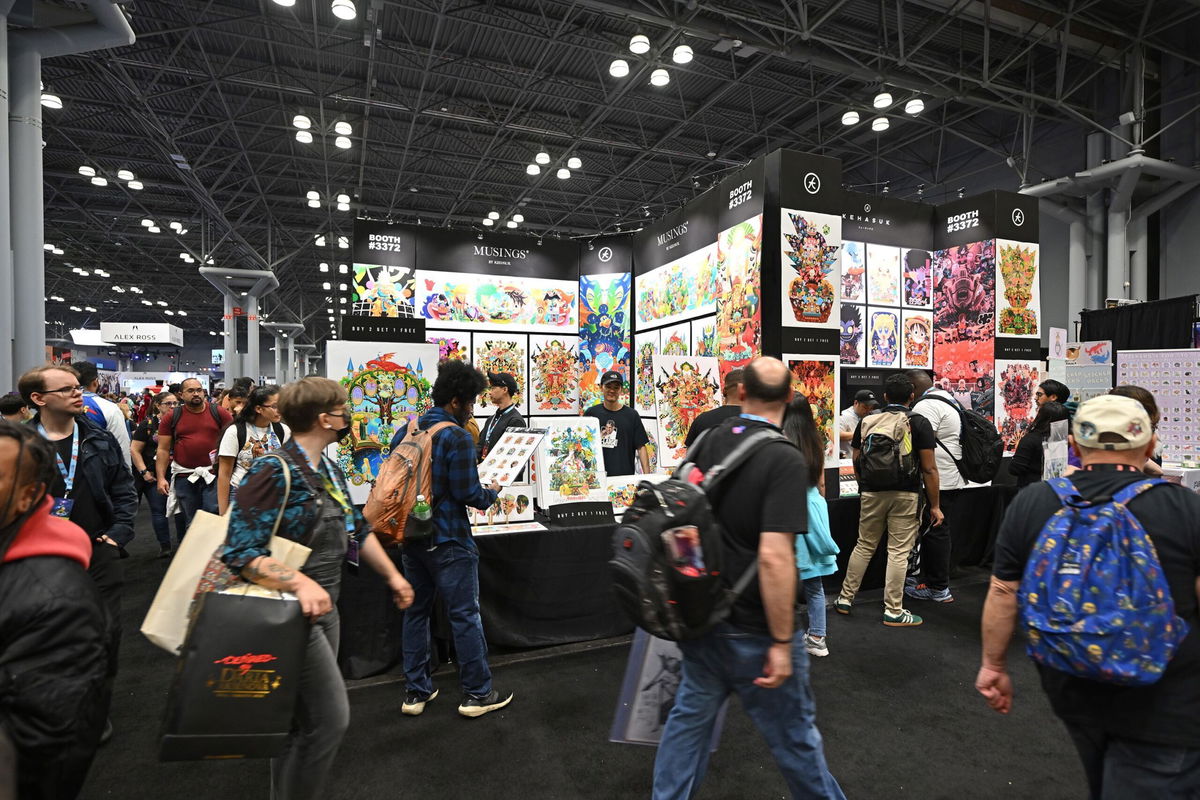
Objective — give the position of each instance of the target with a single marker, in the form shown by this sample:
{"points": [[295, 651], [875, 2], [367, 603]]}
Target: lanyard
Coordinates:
{"points": [[67, 473], [1110, 468], [333, 489], [491, 426]]}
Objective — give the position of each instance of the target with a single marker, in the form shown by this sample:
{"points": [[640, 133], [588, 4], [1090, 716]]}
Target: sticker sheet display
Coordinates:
{"points": [[1173, 376], [810, 245], [1096, 354], [739, 287], [382, 291], [513, 504], [554, 372], [917, 352], [570, 466], [1018, 298], [502, 352], [883, 275], [883, 340], [387, 384], [678, 291], [684, 388], [623, 488], [917, 270], [704, 337], [854, 335], [455, 345], [645, 347], [816, 379], [506, 460], [468, 300], [604, 342], [1085, 382], [964, 323], [854, 272], [1016, 382]]}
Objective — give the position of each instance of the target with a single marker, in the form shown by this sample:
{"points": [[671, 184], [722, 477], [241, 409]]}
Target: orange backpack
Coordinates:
{"points": [[406, 473]]}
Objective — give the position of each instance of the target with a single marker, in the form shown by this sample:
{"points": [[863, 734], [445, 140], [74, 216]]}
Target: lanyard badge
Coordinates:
{"points": [[343, 502], [64, 505]]}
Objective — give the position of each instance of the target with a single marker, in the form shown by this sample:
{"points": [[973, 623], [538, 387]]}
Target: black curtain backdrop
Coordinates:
{"points": [[1157, 325]]}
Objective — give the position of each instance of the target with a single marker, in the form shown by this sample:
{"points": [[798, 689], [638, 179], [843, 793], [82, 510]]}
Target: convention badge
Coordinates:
{"points": [[62, 507], [352, 553]]}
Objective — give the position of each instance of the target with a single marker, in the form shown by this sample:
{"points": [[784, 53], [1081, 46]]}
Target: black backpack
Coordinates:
{"points": [[886, 459], [982, 447], [277, 427], [668, 552]]}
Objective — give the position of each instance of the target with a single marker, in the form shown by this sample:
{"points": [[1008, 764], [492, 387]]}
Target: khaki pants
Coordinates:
{"points": [[897, 512]]}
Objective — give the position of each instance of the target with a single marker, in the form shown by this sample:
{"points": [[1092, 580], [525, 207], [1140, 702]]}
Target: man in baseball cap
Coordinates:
{"points": [[864, 403], [622, 433], [502, 388], [1112, 422]]}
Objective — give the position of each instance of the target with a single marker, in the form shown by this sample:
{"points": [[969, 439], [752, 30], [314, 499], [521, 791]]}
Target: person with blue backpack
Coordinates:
{"points": [[1101, 570]]}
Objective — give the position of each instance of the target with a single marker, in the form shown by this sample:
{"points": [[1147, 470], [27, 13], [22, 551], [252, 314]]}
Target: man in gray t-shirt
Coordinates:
{"points": [[864, 403]]}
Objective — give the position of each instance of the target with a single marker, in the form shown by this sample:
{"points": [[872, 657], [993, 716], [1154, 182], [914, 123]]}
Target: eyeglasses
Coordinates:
{"points": [[64, 390], [341, 414], [169, 404]]}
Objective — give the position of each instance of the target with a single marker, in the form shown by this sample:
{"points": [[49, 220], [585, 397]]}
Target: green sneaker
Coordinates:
{"points": [[841, 605], [905, 619]]}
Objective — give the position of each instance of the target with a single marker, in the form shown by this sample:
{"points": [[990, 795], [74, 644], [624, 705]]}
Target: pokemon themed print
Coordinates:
{"points": [[501, 352], [739, 287], [854, 272], [678, 291], [604, 342], [917, 273], [1017, 295], [382, 291], [917, 332], [964, 323], [464, 300], [883, 275], [1016, 381], [810, 245], [816, 379], [853, 336], [684, 388], [453, 345], [570, 467], [554, 370], [883, 339]]}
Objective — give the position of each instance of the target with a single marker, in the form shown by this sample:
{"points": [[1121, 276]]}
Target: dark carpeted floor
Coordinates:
{"points": [[896, 707]]}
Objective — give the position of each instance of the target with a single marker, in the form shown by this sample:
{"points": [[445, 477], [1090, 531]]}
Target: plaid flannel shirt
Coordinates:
{"points": [[455, 478]]}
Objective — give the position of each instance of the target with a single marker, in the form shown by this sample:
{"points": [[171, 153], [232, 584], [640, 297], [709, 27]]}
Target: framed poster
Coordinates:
{"points": [[964, 325], [853, 336], [816, 379], [471, 301], [513, 504], [917, 271], [451, 344], [386, 389], [623, 488], [651, 426], [570, 466], [1016, 382], [810, 245], [604, 342], [680, 290], [676, 340], [645, 347], [854, 272], [917, 329], [883, 275], [739, 287], [382, 291], [502, 352], [684, 388], [883, 338], [704, 337], [554, 370], [1018, 296]]}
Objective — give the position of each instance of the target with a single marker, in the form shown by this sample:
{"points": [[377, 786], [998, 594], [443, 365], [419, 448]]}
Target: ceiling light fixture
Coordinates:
{"points": [[99, 181], [147, 223], [660, 77], [488, 222], [320, 241], [58, 251], [87, 171], [302, 121], [880, 124], [285, 3], [682, 54], [343, 198], [343, 269], [136, 186], [343, 128], [344, 9], [493, 215], [639, 44], [313, 194], [512, 223], [619, 68], [325, 286], [51, 100], [914, 106], [342, 142], [323, 267], [314, 203], [125, 175], [518, 218], [181, 313], [574, 163], [542, 158], [850, 118], [47, 246], [563, 173], [882, 100], [344, 243], [533, 169], [343, 206], [154, 229], [304, 137]]}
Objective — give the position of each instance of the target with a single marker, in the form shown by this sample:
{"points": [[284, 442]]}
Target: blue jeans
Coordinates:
{"points": [[1119, 768], [193, 497], [728, 660], [814, 598], [451, 569], [158, 515]]}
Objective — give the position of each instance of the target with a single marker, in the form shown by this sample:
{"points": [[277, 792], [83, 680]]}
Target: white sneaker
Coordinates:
{"points": [[816, 646]]}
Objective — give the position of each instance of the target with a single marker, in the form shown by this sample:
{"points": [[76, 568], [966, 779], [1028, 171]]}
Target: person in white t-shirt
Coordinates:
{"points": [[941, 408], [256, 430], [864, 403]]}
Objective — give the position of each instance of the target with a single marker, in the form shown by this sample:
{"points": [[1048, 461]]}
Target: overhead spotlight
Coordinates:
{"points": [[646, 211], [962, 191], [413, 189], [169, 313], [326, 286], [314, 203], [342, 142], [99, 181], [682, 54], [518, 218], [147, 223], [304, 137], [320, 241], [302, 122], [51, 100], [695, 182], [563, 173], [175, 225], [711, 154], [47, 246], [154, 229], [533, 169], [313, 194], [512, 223], [342, 287], [882, 100], [619, 68], [58, 251], [323, 267], [914, 106], [493, 215], [660, 77], [125, 175], [343, 269], [488, 222], [87, 171], [344, 243], [542, 158], [344, 9], [343, 206], [479, 236], [850, 118], [181, 313], [879, 124], [162, 302], [136, 185], [343, 198], [343, 128], [591, 246], [639, 44], [574, 163]]}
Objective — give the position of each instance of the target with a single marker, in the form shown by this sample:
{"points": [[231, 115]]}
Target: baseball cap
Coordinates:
{"points": [[1117, 416], [612, 376], [503, 379], [865, 396]]}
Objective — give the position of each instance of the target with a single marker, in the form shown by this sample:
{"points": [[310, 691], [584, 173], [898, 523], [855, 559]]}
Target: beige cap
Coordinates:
{"points": [[1112, 414]]}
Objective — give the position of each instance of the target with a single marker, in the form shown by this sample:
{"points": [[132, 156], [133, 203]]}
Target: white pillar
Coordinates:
{"points": [[26, 216], [252, 345], [1076, 269]]}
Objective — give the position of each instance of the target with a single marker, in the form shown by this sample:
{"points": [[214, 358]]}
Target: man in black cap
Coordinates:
{"points": [[864, 404], [621, 430], [502, 388]]}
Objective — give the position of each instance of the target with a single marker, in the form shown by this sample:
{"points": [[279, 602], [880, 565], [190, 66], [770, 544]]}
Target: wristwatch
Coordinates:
{"points": [[781, 641]]}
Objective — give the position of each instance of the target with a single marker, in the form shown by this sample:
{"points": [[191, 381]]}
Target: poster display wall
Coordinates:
{"points": [[554, 369], [816, 379], [739, 291], [570, 466], [810, 245], [884, 338], [964, 309], [917, 350], [1173, 376], [645, 348], [684, 388], [1018, 297], [468, 300], [502, 352], [1016, 407], [604, 342]]}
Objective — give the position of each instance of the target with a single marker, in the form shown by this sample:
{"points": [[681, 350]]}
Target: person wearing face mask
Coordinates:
{"points": [[255, 431], [317, 512]]}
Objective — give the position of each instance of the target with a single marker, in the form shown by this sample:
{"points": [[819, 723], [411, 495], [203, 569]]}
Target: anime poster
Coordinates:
{"points": [[704, 337], [678, 291], [604, 342], [917, 335], [454, 345], [854, 272], [514, 504], [816, 378], [964, 322], [883, 275], [467, 300], [810, 268], [1018, 297], [502, 352], [883, 337], [645, 347], [739, 287], [1016, 382], [388, 384], [917, 271], [554, 372], [622, 489], [676, 340], [382, 291], [570, 467], [651, 426], [684, 388], [853, 335]]}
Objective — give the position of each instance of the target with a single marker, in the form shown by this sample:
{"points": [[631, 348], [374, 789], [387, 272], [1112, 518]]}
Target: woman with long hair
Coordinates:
{"points": [[143, 456], [1026, 463], [255, 430], [816, 552]]}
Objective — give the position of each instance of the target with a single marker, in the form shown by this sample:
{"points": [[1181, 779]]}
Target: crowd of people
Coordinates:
{"points": [[74, 467]]}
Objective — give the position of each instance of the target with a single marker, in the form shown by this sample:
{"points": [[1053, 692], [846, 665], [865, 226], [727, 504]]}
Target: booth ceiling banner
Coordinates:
{"points": [[684, 388], [468, 300], [502, 352], [554, 371], [964, 310], [810, 246], [604, 342], [1015, 382], [816, 379], [1018, 297], [570, 466], [141, 333]]}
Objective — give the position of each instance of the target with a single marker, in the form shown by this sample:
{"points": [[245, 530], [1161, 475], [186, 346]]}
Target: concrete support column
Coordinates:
{"points": [[230, 330], [252, 345], [8, 371], [27, 219], [1096, 249], [1116, 256], [1077, 269], [291, 357], [280, 375], [1138, 241]]}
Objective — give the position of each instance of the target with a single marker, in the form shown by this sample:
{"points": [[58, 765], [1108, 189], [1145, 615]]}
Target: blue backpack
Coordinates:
{"points": [[1094, 600]]}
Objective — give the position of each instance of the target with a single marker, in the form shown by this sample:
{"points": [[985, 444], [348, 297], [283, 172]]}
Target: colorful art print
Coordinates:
{"points": [[645, 347], [917, 273], [917, 352], [883, 339], [513, 504], [386, 389], [622, 489], [501, 353], [604, 342], [852, 352], [883, 275], [380, 290], [810, 247], [554, 369], [1016, 381], [684, 388], [516, 527], [1097, 353], [570, 465], [676, 340], [467, 300], [965, 370], [451, 344], [816, 379], [739, 287], [964, 294], [683, 289], [704, 337], [854, 272], [651, 426], [1058, 343], [1017, 297], [508, 457]]}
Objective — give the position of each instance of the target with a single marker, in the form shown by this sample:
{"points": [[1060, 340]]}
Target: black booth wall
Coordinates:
{"points": [[1157, 325]]}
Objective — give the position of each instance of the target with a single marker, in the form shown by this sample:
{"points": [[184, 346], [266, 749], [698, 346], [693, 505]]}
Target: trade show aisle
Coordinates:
{"points": [[896, 707]]}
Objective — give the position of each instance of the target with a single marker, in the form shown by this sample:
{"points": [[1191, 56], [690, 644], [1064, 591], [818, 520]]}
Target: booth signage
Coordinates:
{"points": [[682, 232], [383, 329], [1018, 349], [581, 514], [809, 183], [141, 333], [814, 341], [878, 219]]}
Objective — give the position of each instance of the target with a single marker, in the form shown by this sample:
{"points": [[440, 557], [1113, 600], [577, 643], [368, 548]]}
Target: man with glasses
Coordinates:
{"points": [[92, 487], [1051, 391], [187, 445]]}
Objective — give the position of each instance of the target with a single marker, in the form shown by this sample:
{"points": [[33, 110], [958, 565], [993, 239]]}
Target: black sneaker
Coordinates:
{"points": [[414, 702], [473, 706]]}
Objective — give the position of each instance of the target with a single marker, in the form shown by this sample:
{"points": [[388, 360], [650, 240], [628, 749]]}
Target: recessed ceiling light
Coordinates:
{"points": [[574, 163], [304, 137], [850, 118], [660, 77], [619, 68], [639, 44], [87, 171], [344, 9], [563, 173], [343, 128], [533, 169], [682, 54], [882, 100]]}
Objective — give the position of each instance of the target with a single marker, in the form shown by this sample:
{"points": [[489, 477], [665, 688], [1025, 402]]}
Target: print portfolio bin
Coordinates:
{"points": [[236, 680]]}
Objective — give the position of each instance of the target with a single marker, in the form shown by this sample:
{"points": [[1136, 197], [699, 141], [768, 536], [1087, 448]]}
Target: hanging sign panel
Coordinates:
{"points": [[141, 333]]}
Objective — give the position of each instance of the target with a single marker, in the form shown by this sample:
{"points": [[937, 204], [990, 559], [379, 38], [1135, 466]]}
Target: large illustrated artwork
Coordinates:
{"points": [[810, 248], [645, 347], [883, 339], [387, 387], [853, 335], [680, 290], [382, 291], [604, 342], [704, 337], [816, 379], [676, 340], [570, 467], [739, 287], [917, 267], [454, 345], [854, 272], [502, 352], [684, 388], [1017, 295], [467, 300], [917, 352], [883, 275], [554, 370], [1016, 382], [964, 320]]}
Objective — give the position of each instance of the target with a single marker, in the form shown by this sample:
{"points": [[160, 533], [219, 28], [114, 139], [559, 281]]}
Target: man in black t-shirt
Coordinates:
{"points": [[715, 416], [621, 430], [894, 508], [1134, 741], [755, 653]]}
